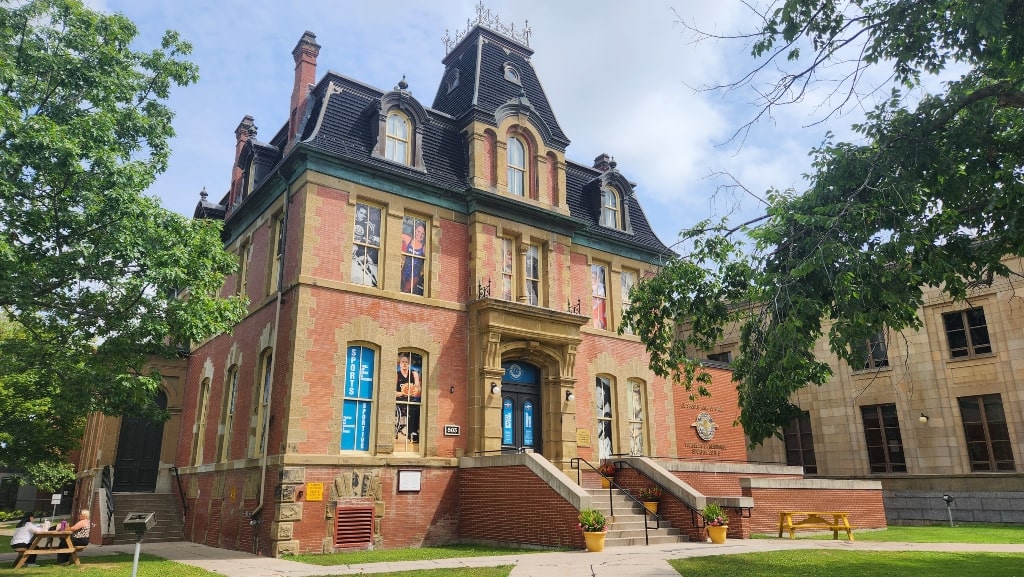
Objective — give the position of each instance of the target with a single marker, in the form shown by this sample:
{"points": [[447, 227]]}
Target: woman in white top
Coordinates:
{"points": [[22, 538]]}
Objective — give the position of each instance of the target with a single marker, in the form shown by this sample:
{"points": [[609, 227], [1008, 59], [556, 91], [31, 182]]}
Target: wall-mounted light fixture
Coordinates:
{"points": [[923, 418], [569, 396], [495, 389]]}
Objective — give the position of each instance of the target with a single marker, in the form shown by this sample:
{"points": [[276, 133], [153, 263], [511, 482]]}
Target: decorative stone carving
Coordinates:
{"points": [[218, 486], [192, 491], [280, 548], [281, 531], [251, 485], [293, 475], [289, 512], [284, 493]]}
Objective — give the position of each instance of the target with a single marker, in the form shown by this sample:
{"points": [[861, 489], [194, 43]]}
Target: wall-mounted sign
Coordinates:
{"points": [[452, 430], [409, 480], [583, 437], [314, 491], [705, 426]]}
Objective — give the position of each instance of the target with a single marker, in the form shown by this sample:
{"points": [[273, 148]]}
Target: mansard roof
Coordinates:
{"points": [[480, 61], [341, 113]]}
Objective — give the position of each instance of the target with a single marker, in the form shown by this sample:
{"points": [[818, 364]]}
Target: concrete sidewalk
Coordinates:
{"points": [[639, 561]]}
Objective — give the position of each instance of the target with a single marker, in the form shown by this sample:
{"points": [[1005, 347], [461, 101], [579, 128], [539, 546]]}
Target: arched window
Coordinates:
{"points": [[260, 406], [357, 404], [516, 166], [603, 395], [410, 384], [637, 416], [230, 396], [609, 208], [396, 147], [200, 426]]}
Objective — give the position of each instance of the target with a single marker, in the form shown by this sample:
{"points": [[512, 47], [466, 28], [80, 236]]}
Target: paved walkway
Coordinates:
{"points": [[638, 561]]}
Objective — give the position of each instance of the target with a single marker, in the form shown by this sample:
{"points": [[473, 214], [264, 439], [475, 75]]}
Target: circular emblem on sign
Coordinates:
{"points": [[705, 426], [515, 371]]}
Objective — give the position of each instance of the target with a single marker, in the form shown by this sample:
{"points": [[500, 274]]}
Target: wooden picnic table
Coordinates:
{"points": [[38, 547], [840, 521]]}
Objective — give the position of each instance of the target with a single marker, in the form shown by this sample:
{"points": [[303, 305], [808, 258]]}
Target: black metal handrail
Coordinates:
{"points": [[181, 491], [575, 464]]}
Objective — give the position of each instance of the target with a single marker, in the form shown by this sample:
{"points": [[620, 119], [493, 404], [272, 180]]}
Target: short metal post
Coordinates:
{"points": [[949, 511], [138, 546]]}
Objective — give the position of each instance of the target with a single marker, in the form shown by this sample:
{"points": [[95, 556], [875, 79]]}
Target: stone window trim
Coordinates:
{"points": [[400, 101], [594, 192], [512, 74]]}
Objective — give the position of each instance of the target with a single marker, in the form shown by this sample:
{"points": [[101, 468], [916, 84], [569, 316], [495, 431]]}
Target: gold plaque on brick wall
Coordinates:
{"points": [[582, 437], [314, 491]]}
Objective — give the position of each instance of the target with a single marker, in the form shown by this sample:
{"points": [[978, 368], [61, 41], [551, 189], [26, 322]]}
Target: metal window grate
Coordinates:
{"points": [[353, 527]]}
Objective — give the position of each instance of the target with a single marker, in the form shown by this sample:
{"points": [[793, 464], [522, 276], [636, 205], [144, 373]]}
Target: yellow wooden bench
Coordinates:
{"points": [[834, 521]]}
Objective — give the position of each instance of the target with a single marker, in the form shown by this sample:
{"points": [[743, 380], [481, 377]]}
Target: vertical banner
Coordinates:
{"points": [[506, 422], [528, 423], [357, 408]]}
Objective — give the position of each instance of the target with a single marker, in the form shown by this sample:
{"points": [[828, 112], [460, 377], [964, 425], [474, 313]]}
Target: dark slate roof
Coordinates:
{"points": [[580, 188], [341, 114], [479, 96], [346, 128]]}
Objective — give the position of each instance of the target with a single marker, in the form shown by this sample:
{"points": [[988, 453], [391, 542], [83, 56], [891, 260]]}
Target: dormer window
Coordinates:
{"points": [[453, 80], [397, 140], [511, 74], [610, 208], [516, 166]]}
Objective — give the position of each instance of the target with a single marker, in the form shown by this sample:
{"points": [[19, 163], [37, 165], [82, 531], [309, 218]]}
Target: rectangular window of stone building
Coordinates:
{"points": [[200, 427], [414, 255], [986, 432], [357, 404], [228, 415], [627, 281], [260, 406], [508, 278], [799, 444], [878, 353], [409, 387], [533, 275], [599, 295], [244, 257], [274, 276], [637, 416], [366, 232], [603, 406], [885, 444], [967, 333]]}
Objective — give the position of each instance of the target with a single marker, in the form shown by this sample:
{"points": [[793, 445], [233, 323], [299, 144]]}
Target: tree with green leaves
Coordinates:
{"points": [[96, 277], [933, 196]]}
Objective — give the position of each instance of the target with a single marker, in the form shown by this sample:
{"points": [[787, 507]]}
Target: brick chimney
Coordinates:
{"points": [[603, 162], [305, 54], [246, 130]]}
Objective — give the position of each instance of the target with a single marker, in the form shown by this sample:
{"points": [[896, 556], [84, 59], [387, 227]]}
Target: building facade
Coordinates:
{"points": [[433, 337], [934, 412]]}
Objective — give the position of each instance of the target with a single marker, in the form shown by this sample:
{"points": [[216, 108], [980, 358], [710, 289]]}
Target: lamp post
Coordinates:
{"points": [[949, 501]]}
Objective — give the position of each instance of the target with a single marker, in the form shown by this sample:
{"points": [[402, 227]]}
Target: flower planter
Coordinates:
{"points": [[595, 540], [605, 483], [651, 506], [717, 533]]}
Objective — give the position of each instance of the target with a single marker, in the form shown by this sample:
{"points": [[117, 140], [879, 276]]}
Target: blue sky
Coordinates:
{"points": [[619, 75]]}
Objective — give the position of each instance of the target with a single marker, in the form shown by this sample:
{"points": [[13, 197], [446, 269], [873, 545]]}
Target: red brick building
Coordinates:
{"points": [[433, 331]]}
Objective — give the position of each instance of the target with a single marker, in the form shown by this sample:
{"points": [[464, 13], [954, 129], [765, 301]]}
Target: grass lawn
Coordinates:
{"points": [[966, 533], [420, 554], [150, 566], [860, 563]]}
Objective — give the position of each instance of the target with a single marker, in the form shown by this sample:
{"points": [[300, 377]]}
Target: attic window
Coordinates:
{"points": [[610, 208], [453, 79], [511, 74]]}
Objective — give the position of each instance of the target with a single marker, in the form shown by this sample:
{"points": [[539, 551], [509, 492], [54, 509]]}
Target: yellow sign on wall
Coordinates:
{"points": [[314, 491]]}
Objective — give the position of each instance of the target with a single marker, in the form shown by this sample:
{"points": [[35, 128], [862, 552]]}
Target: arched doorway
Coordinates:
{"points": [[138, 452], [520, 408]]}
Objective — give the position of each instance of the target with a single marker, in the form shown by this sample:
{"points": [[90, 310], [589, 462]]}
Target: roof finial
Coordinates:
{"points": [[493, 22], [402, 84], [203, 195]]}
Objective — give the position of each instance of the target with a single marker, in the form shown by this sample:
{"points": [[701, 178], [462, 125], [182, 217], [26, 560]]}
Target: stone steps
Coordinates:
{"points": [[626, 527], [169, 524]]}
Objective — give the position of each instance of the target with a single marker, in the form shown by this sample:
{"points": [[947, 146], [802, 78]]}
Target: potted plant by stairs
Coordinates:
{"points": [[649, 496], [607, 470], [716, 521], [595, 527]]}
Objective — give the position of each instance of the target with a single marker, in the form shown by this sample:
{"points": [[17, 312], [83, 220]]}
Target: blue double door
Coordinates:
{"points": [[520, 408]]}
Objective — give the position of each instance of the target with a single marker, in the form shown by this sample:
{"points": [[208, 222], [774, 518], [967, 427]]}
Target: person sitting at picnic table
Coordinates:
{"points": [[79, 536], [22, 538]]}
